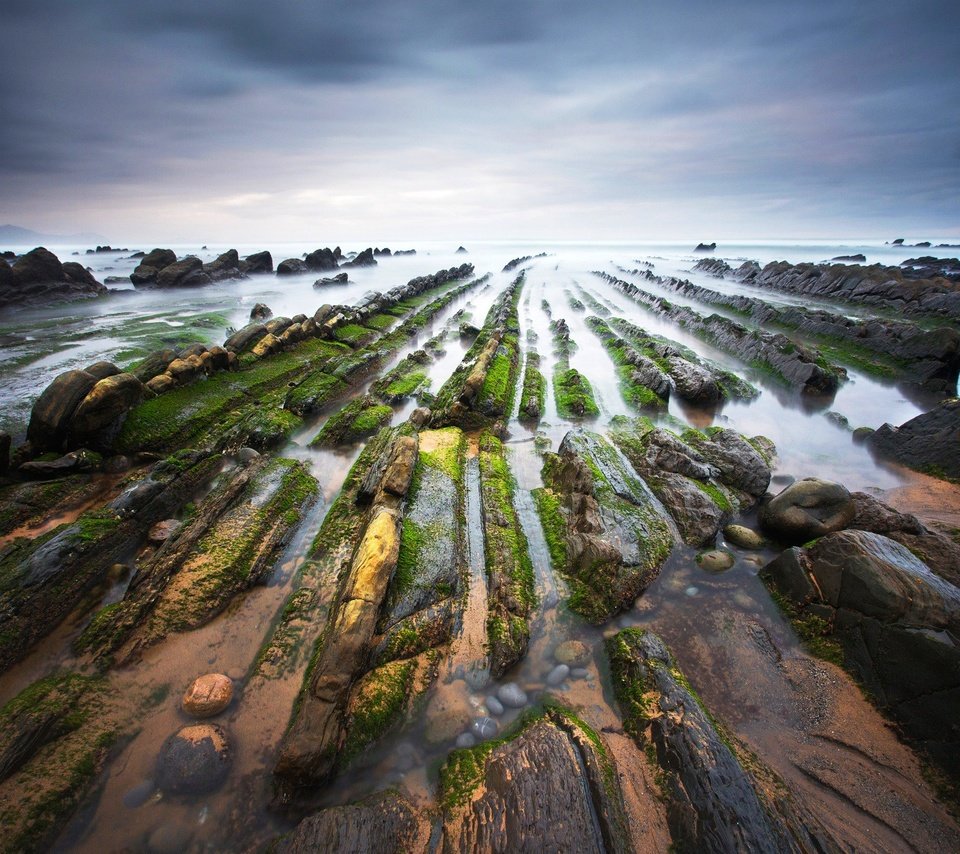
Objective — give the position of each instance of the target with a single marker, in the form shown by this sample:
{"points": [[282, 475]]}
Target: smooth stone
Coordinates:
{"points": [[447, 714], [512, 695], [484, 728], [247, 455], [194, 760], [558, 674], [579, 673], [715, 561], [208, 695], [168, 839], [465, 739], [477, 678], [746, 538], [494, 706], [572, 652], [692, 590], [139, 794]]}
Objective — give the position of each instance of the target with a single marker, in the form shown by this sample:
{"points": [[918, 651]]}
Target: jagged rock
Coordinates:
{"points": [[37, 266], [384, 823], [258, 262], [806, 509], [151, 264], [291, 266], [929, 442], [896, 622], [712, 802], [225, 266], [39, 277], [194, 760], [208, 695], [339, 279], [81, 460], [320, 260], [363, 259], [705, 247], [399, 472]]}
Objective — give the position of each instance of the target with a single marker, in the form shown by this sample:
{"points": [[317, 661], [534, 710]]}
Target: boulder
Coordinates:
{"points": [[38, 266], [930, 442], [705, 247], [267, 345], [807, 509], [321, 260], [339, 279], [194, 760], [79, 275], [153, 365], [291, 266], [258, 262], [102, 407], [55, 407], [225, 266], [399, 472], [183, 274], [208, 695], [260, 312], [151, 264], [244, 339]]}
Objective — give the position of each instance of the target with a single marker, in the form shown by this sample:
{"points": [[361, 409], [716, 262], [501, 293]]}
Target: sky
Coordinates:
{"points": [[228, 120]]}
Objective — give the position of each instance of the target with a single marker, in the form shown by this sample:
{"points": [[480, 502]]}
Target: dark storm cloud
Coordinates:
{"points": [[553, 103]]}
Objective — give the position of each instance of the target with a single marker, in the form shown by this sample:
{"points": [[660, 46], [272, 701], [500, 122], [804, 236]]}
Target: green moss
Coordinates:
{"points": [[715, 493], [103, 630], [554, 525], [408, 561], [315, 391], [573, 394], [449, 454], [814, 632], [378, 704], [380, 322], [534, 388], [358, 419], [406, 385], [353, 334], [96, 524]]}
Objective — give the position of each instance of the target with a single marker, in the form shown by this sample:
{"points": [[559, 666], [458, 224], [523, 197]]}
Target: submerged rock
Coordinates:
{"points": [[194, 760], [572, 652], [930, 442]]}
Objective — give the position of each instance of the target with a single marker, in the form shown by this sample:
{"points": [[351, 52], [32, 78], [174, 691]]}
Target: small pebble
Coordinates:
{"points": [[494, 706], [716, 560], [484, 728], [572, 652], [466, 739], [512, 695], [692, 590], [139, 794], [579, 673], [558, 674]]}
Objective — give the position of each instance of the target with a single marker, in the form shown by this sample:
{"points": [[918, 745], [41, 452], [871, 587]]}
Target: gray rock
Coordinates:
{"points": [[465, 739], [512, 695], [930, 442], [194, 760], [484, 728], [557, 675], [806, 509], [494, 706]]}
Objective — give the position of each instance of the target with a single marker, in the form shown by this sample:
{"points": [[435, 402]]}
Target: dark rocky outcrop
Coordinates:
{"points": [[183, 274], [859, 258], [930, 442], [339, 279], [898, 625], [98, 417], [807, 509], [261, 311], [291, 267], [151, 264], [38, 278], [321, 260], [225, 266], [53, 409], [258, 262], [886, 287], [363, 259], [713, 804], [705, 247]]}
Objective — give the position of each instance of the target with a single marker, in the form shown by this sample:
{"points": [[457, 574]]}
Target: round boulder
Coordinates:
{"points": [[746, 538], [208, 695], [716, 560], [194, 760], [573, 653], [807, 509]]}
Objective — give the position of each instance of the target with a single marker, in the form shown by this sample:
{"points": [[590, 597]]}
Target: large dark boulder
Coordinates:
{"points": [[194, 760], [54, 408], [225, 266], [154, 364], [807, 509], [259, 262], [321, 260], [38, 266], [897, 623], [102, 408], [291, 266], [186, 273], [151, 264], [929, 443], [244, 339], [79, 275]]}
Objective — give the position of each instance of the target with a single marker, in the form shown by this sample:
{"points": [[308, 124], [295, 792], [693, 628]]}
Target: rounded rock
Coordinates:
{"points": [[572, 652], [512, 695], [247, 455], [746, 538], [139, 794], [579, 673], [163, 531], [208, 695], [715, 561], [558, 674], [494, 706], [448, 713], [484, 728], [194, 760], [465, 739], [807, 509]]}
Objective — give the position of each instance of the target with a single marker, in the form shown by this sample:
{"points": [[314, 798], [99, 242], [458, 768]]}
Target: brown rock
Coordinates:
{"points": [[267, 345], [396, 479], [161, 383], [55, 407], [106, 402], [163, 531], [208, 695]]}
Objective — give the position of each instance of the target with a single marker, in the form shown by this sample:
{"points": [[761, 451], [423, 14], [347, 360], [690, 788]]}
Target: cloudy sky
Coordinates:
{"points": [[229, 120]]}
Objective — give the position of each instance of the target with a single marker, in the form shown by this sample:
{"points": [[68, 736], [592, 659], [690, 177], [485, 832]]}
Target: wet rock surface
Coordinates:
{"points": [[807, 509], [194, 760], [930, 442]]}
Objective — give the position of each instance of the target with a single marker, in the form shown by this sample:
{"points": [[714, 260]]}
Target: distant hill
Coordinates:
{"points": [[15, 235]]}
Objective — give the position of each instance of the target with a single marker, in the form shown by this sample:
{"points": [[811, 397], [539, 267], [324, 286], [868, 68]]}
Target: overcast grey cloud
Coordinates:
{"points": [[240, 121]]}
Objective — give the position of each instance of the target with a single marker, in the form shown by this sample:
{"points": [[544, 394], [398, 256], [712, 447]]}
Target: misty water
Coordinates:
{"points": [[37, 344]]}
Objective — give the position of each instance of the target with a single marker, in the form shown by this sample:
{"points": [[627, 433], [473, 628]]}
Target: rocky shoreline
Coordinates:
{"points": [[422, 589]]}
